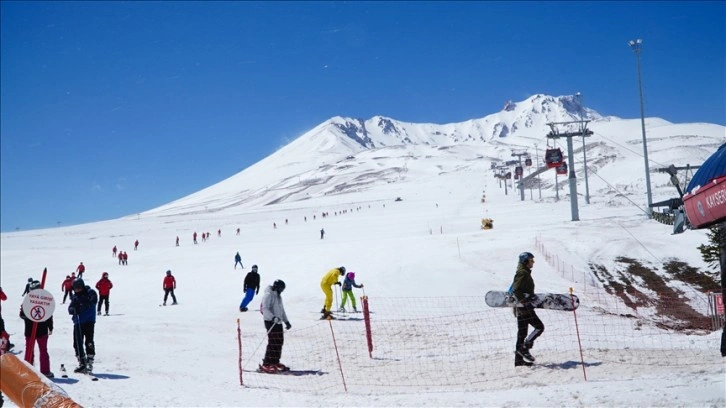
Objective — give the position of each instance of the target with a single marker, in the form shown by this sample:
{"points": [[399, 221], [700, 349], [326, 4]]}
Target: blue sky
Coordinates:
{"points": [[113, 108]]}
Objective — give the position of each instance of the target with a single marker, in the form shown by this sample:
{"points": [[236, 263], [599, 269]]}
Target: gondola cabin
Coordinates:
{"points": [[518, 171], [527, 162], [554, 157], [561, 169]]}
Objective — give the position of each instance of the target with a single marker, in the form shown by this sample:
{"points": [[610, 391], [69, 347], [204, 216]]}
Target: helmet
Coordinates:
{"points": [[30, 280], [254, 268], [68, 276], [105, 275], [79, 284], [34, 285], [524, 257], [351, 275], [342, 270], [168, 272], [278, 286]]}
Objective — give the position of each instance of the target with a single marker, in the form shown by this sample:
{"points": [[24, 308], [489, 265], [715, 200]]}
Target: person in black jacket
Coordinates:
{"points": [[44, 329], [522, 289], [251, 288]]}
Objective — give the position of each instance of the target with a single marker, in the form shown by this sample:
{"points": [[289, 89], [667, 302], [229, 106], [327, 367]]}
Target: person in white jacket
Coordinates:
{"points": [[273, 313]]}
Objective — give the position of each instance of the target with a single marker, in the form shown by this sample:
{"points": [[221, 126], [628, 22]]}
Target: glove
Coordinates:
{"points": [[276, 320], [337, 283], [288, 325], [361, 285]]}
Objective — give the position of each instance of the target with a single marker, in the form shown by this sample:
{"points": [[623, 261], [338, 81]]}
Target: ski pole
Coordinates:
{"points": [[258, 346]]}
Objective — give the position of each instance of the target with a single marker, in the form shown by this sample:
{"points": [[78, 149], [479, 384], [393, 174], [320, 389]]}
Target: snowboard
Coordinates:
{"points": [[551, 301]]}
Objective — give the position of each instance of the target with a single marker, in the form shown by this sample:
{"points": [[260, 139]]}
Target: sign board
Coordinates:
{"points": [[719, 304], [39, 305]]}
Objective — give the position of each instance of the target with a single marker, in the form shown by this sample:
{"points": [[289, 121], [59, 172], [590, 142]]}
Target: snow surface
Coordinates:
{"points": [[428, 245]]}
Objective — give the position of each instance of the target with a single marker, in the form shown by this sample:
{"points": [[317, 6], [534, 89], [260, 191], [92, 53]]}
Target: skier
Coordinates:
{"points": [[27, 287], [330, 279], [522, 289], [194, 237], [104, 286], [273, 312], [347, 289], [136, 245], [113, 251], [67, 287], [42, 331], [251, 288], [83, 308], [238, 260], [322, 233], [5, 344], [177, 240], [169, 285], [80, 270]]}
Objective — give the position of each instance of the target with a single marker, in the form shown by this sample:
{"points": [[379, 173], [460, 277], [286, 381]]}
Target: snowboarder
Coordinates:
{"points": [[238, 260], [251, 288], [104, 286], [347, 289], [273, 313], [83, 310], [67, 287], [169, 285], [330, 279], [522, 289], [42, 331]]}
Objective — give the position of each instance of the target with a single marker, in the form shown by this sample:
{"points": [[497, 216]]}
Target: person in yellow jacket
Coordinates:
{"points": [[330, 279]]}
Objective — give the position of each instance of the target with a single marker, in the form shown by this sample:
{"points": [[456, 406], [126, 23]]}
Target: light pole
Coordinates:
{"points": [[636, 46]]}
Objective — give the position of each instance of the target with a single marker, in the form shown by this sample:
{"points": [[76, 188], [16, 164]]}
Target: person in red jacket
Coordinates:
{"points": [[169, 285], [80, 270], [67, 287], [5, 344], [114, 251], [136, 245], [104, 286]]}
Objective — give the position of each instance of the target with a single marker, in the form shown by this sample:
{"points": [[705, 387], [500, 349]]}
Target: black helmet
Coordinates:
{"points": [[278, 286], [254, 268], [342, 270], [79, 284], [524, 257], [168, 272], [30, 280]]}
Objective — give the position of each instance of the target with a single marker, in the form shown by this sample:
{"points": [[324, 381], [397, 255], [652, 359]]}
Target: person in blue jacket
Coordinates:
{"points": [[347, 289], [238, 260], [83, 310]]}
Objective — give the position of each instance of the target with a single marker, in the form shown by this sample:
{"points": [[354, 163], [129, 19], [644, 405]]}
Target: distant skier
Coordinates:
{"points": [[80, 270], [251, 288], [113, 251], [322, 233], [330, 279], [238, 260], [177, 241], [273, 313], [136, 245], [67, 287], [522, 288], [169, 285], [194, 237], [347, 289], [104, 286]]}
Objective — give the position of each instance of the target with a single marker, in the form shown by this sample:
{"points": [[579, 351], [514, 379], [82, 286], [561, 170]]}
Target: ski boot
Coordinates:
{"points": [[281, 367], [242, 309], [268, 368], [355, 309], [524, 353], [341, 309]]}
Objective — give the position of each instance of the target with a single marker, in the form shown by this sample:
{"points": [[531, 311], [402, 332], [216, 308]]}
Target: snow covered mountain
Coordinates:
{"points": [[344, 154]]}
